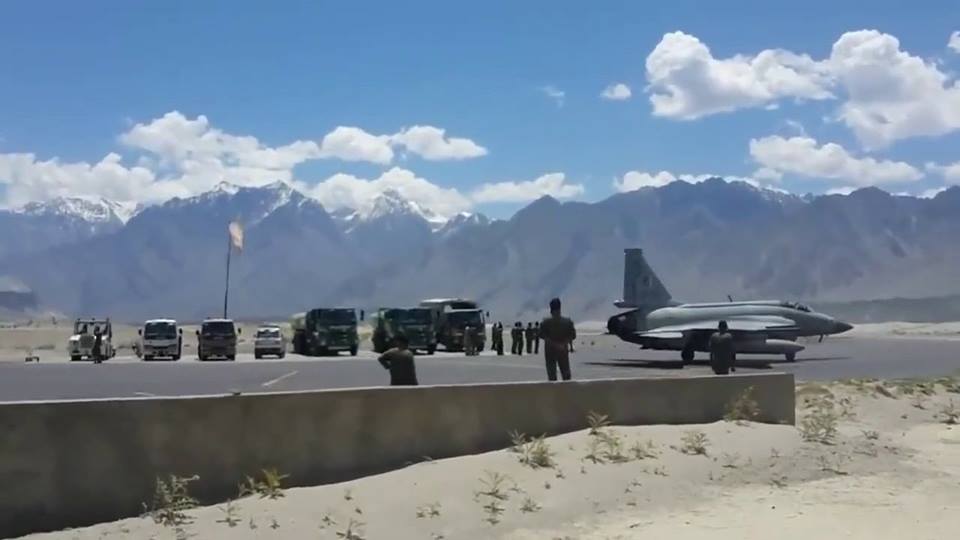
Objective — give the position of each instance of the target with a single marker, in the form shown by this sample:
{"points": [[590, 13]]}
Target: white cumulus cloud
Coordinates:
{"points": [[954, 42], [803, 156], [348, 191], [886, 94], [354, 144], [634, 180], [432, 143], [891, 94], [553, 184], [687, 82], [178, 156], [616, 92]]}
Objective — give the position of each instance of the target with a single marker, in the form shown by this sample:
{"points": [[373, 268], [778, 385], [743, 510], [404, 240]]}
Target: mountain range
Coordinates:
{"points": [[706, 241]]}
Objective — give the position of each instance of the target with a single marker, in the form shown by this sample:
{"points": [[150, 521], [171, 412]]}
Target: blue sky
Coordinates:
{"points": [[78, 75]]}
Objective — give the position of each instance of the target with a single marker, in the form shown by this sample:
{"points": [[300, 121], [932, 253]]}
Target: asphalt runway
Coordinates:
{"points": [[596, 357]]}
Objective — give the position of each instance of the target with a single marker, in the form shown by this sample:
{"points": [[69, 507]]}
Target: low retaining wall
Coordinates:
{"points": [[67, 464]]}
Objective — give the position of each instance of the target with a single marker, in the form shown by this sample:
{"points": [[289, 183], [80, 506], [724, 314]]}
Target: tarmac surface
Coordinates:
{"points": [[596, 357]]}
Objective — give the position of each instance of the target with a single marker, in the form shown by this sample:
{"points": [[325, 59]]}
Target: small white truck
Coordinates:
{"points": [[80, 344], [160, 338]]}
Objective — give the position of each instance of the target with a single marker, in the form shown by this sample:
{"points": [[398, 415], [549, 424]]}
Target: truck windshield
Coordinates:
{"points": [[335, 316], [414, 316], [218, 328], [463, 318], [160, 330]]}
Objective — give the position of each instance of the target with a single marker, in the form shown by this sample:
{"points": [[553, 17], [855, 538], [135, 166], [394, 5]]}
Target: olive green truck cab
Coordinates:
{"points": [[452, 315], [324, 331], [417, 324]]}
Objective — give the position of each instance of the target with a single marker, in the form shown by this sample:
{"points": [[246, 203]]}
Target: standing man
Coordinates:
{"points": [[520, 338], [97, 351], [723, 355], [468, 340], [528, 335], [399, 360], [557, 333], [536, 337], [496, 335]]}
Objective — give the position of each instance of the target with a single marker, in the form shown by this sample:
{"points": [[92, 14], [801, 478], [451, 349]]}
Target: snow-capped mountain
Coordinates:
{"points": [[385, 207], [705, 240], [89, 209]]}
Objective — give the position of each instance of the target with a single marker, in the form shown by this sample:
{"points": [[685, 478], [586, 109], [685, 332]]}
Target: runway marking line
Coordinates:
{"points": [[144, 394], [272, 382]]}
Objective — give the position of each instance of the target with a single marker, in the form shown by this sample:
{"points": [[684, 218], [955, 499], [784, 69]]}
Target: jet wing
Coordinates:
{"points": [[736, 324]]}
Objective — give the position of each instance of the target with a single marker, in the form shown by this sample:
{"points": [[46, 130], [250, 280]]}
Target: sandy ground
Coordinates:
{"points": [[892, 470]]}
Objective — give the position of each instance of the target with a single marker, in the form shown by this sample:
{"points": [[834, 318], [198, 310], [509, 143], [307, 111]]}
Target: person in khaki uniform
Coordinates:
{"points": [[557, 333], [399, 360]]}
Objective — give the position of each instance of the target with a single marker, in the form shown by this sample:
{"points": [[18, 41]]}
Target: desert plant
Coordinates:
{"points": [[694, 443], [870, 434], [431, 510], [533, 452], [642, 451], [493, 486], [744, 408], [354, 531], [597, 422], [529, 506], [270, 486], [949, 414], [820, 424], [171, 500], [229, 515]]}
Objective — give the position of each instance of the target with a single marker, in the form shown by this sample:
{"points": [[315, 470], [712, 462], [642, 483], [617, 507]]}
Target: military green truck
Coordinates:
{"points": [[324, 331], [452, 315], [417, 324]]}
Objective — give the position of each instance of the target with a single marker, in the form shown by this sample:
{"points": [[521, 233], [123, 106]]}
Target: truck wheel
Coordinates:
{"points": [[231, 357], [175, 357], [431, 350], [147, 358], [480, 348], [74, 357], [353, 350], [257, 356]]}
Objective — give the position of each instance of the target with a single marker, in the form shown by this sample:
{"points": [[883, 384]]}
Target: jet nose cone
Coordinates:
{"points": [[840, 327]]}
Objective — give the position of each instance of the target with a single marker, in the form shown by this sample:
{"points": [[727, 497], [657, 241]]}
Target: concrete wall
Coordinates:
{"points": [[65, 464]]}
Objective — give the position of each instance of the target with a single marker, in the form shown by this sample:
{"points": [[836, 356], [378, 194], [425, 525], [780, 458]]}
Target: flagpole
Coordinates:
{"points": [[226, 289]]}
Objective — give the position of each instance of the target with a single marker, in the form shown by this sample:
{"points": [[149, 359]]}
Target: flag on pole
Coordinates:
{"points": [[236, 235]]}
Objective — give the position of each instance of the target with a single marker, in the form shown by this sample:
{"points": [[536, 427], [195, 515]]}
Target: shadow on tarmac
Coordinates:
{"points": [[758, 363]]}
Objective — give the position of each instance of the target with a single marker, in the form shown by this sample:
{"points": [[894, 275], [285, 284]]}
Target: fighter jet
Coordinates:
{"points": [[655, 321]]}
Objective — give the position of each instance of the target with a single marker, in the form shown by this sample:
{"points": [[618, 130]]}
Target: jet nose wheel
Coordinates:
{"points": [[687, 355], [791, 357]]}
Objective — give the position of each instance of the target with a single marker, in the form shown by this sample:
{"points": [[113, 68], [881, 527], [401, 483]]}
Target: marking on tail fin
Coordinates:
{"points": [[641, 286]]}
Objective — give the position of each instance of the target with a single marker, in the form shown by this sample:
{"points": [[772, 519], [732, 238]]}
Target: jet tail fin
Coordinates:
{"points": [[642, 289]]}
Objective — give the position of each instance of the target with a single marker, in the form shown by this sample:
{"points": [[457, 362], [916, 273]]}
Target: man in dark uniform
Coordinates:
{"points": [[557, 333], [399, 360], [529, 337], [518, 338], [536, 337], [468, 340], [723, 355], [496, 335], [97, 351]]}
